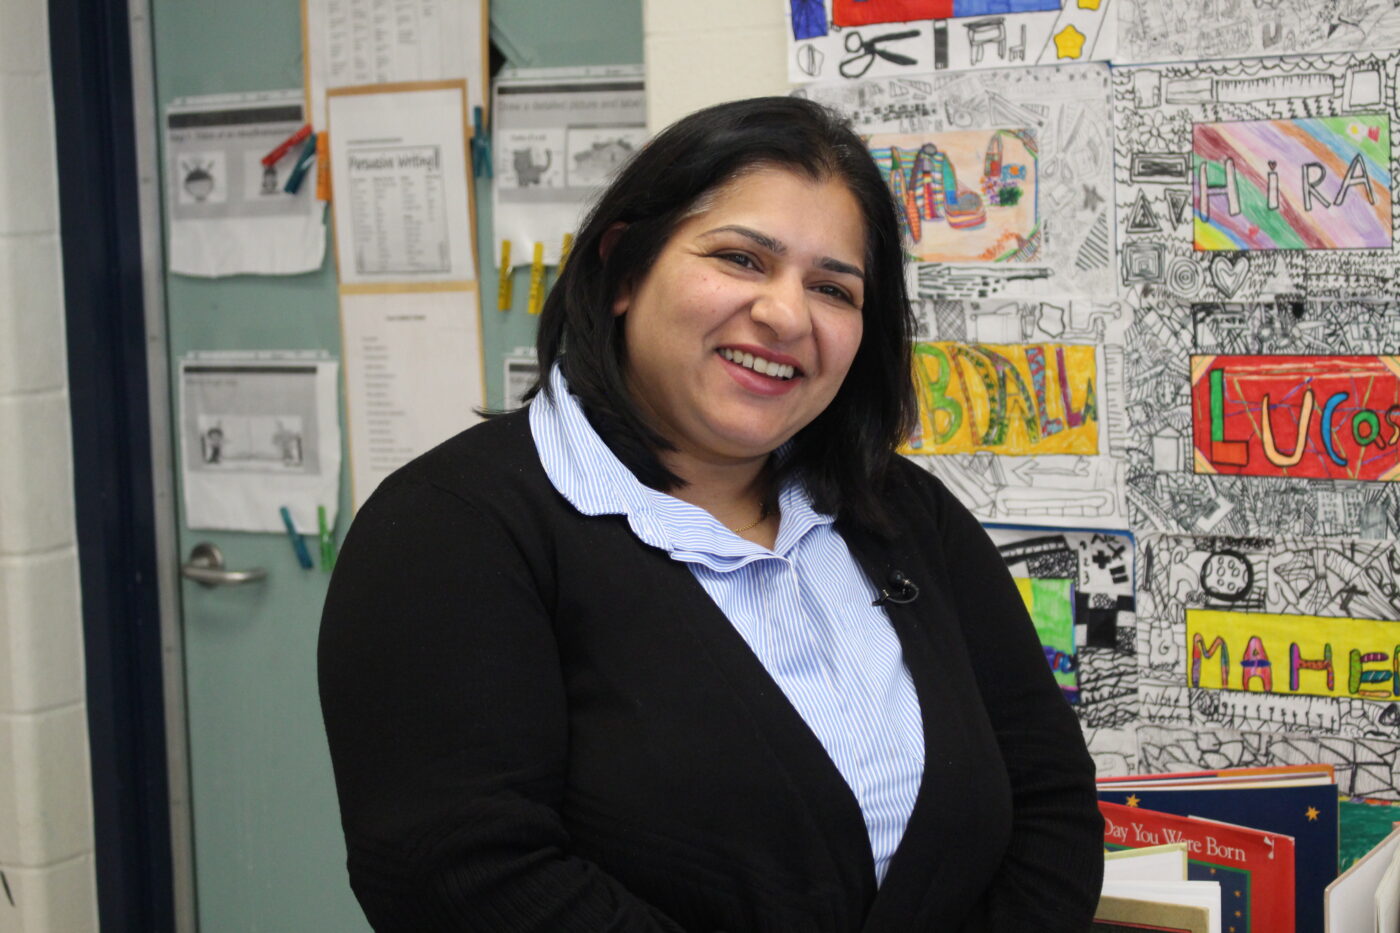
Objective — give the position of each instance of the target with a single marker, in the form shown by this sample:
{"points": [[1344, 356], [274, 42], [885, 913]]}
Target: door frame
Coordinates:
{"points": [[106, 128]]}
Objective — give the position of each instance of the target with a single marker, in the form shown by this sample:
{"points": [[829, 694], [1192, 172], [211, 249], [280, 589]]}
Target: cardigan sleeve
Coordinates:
{"points": [[445, 711], [1052, 871]]}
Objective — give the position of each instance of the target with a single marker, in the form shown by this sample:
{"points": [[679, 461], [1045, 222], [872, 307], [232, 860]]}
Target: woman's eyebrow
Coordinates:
{"points": [[778, 247]]}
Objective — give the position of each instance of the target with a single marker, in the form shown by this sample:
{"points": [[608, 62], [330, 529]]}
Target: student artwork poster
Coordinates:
{"points": [[832, 40]]}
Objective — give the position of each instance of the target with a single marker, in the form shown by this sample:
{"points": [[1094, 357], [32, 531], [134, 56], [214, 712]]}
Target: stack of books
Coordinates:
{"points": [[1266, 837]]}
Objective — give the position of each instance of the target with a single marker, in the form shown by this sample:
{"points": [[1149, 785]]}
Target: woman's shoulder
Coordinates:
{"points": [[911, 482], [488, 463]]}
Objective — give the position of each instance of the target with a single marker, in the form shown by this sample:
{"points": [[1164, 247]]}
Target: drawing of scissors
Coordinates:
{"points": [[863, 52]]}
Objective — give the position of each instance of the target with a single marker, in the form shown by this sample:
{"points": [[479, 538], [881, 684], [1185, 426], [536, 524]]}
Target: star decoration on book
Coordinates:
{"points": [[1069, 43], [1133, 800], [1312, 814]]}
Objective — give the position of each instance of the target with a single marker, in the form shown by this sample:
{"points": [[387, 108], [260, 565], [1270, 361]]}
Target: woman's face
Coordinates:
{"points": [[744, 328]]}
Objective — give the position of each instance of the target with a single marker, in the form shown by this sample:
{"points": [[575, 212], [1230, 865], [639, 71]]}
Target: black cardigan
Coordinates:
{"points": [[539, 723]]}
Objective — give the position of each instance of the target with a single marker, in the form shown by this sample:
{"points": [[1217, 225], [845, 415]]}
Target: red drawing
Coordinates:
{"points": [[1309, 417], [870, 12]]}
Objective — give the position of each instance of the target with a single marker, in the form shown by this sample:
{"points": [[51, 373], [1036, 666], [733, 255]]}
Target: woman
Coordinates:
{"points": [[685, 645]]}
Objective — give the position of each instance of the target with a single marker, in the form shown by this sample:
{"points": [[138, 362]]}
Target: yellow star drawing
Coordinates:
{"points": [[1069, 43], [1313, 814], [1133, 800], [1088, 4]]}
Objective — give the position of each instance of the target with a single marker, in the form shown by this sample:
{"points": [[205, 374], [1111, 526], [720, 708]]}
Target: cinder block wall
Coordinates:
{"points": [[46, 838], [699, 54]]}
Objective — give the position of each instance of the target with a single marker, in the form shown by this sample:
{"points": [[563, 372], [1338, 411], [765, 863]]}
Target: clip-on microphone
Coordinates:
{"points": [[901, 590]]}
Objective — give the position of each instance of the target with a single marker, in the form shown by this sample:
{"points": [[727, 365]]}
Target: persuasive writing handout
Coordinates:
{"points": [[400, 176]]}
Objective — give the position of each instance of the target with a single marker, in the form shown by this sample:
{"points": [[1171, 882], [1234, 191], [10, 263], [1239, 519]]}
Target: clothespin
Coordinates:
{"points": [[285, 146], [303, 163], [323, 166], [504, 291], [481, 147], [565, 250], [537, 280]]}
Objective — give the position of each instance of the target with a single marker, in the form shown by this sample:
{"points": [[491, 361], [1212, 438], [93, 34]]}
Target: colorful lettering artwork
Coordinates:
{"points": [[966, 194], [1318, 184], [1018, 399], [1243, 180], [1315, 417], [869, 12], [1051, 607], [1293, 654]]}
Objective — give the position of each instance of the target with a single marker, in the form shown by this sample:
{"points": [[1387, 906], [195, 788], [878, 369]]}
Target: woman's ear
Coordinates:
{"points": [[606, 244], [609, 239]]}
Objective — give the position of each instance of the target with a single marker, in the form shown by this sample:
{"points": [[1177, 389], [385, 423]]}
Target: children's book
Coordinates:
{"points": [[1297, 801], [1127, 915], [1152, 863], [1254, 868], [1351, 899]]}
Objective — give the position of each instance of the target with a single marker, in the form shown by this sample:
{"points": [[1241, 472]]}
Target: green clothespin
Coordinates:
{"points": [[481, 146]]}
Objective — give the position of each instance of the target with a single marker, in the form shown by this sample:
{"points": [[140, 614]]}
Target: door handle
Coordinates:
{"points": [[206, 567]]}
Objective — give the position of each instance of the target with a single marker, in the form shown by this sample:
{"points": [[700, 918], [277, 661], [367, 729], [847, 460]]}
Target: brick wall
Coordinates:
{"points": [[46, 869]]}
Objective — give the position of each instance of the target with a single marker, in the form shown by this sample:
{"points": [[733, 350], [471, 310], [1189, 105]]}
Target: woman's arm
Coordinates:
{"points": [[445, 710], [1053, 869]]}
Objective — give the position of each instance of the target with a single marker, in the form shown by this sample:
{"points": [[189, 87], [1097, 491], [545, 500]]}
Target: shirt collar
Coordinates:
{"points": [[588, 474]]}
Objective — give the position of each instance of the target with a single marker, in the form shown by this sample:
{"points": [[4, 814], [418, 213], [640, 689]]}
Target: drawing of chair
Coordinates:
{"points": [[984, 32], [1018, 52]]}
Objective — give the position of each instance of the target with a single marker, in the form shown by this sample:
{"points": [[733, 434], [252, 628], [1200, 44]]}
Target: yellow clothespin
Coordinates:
{"points": [[323, 166], [564, 251], [505, 294], [537, 280]]}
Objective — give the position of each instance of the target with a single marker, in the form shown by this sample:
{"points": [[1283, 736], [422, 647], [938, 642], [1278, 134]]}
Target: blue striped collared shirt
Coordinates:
{"points": [[804, 608]]}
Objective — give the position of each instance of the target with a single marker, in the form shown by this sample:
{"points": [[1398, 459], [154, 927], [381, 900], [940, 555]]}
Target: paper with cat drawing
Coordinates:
{"points": [[558, 136]]}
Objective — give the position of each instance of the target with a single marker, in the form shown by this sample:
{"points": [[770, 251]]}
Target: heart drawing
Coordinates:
{"points": [[1228, 272]]}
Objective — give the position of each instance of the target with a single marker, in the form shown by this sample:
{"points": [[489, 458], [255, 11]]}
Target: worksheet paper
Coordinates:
{"points": [[413, 377], [258, 431], [558, 136], [354, 42], [400, 172], [228, 213], [522, 371]]}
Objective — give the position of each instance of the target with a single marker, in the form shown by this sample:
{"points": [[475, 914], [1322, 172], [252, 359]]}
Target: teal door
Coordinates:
{"points": [[268, 854]]}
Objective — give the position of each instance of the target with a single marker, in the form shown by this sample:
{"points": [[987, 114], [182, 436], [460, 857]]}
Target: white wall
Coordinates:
{"points": [[46, 840], [704, 53]]}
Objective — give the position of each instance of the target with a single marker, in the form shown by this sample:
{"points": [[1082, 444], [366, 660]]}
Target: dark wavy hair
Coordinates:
{"points": [[843, 456]]}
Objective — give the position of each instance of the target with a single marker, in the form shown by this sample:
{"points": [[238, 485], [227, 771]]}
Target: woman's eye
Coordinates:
{"points": [[834, 291], [740, 259]]}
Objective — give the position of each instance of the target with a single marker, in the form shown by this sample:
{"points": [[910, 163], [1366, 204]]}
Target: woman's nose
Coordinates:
{"points": [[781, 306]]}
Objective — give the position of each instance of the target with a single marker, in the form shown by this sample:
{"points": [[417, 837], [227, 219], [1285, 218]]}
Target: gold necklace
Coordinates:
{"points": [[762, 516]]}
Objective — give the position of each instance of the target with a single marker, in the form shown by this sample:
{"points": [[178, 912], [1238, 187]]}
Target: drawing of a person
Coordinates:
{"points": [[212, 445]]}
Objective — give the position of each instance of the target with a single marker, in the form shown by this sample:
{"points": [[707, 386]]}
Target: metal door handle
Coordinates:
{"points": [[206, 567]]}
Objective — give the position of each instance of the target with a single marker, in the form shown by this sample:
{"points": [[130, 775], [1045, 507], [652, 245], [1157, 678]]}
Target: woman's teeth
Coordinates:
{"points": [[758, 364]]}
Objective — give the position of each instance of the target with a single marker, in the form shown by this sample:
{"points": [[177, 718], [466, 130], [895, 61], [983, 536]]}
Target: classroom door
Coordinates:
{"points": [[268, 851]]}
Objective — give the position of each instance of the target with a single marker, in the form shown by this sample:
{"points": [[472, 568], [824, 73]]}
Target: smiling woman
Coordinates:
{"points": [[743, 330], [684, 645]]}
